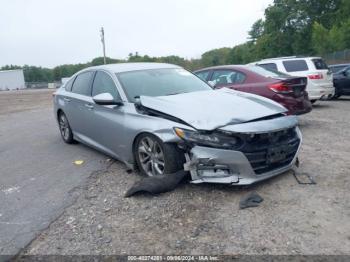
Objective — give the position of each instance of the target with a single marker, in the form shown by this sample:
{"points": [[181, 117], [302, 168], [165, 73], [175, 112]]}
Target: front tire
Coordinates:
{"points": [[65, 130], [155, 158]]}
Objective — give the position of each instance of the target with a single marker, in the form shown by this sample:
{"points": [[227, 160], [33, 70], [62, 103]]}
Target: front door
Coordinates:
{"points": [[105, 126]]}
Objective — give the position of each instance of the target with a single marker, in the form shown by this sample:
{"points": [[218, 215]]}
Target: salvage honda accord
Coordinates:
{"points": [[161, 118]]}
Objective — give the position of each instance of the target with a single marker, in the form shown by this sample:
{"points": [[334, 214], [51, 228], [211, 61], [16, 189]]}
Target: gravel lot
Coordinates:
{"points": [[205, 219], [23, 100]]}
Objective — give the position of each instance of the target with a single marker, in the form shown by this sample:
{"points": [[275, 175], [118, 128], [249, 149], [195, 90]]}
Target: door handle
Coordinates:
{"points": [[66, 99], [89, 106]]}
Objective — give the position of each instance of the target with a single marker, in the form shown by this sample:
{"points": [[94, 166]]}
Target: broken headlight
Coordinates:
{"points": [[213, 140]]}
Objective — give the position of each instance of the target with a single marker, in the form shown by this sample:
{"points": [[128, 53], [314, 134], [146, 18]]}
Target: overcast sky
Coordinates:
{"points": [[52, 32]]}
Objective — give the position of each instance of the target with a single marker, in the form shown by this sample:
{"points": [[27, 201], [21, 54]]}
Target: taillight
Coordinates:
{"points": [[315, 76], [281, 88]]}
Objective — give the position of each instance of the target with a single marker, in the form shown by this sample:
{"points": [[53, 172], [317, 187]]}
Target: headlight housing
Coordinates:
{"points": [[213, 140]]}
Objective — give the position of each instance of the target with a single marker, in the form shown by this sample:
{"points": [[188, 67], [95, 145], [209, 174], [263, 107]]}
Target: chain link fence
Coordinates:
{"points": [[339, 57]]}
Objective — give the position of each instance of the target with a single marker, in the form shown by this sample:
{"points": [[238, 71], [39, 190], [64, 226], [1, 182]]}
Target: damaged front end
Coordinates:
{"points": [[227, 143], [261, 149]]}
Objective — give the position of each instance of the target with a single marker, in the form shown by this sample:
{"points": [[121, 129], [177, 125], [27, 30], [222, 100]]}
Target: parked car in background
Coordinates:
{"points": [[341, 79], [287, 90], [163, 118], [337, 68], [320, 79]]}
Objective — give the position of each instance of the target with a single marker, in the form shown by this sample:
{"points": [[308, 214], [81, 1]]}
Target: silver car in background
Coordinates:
{"points": [[162, 118]]}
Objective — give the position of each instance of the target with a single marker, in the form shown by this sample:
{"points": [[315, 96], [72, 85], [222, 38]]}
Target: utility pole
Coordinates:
{"points": [[103, 44]]}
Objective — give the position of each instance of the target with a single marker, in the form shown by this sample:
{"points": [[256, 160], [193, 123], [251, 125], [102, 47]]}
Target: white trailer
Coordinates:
{"points": [[12, 80]]}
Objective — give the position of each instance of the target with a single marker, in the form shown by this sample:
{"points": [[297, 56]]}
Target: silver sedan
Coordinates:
{"points": [[162, 118]]}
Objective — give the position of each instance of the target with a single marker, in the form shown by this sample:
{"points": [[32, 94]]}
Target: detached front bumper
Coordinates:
{"points": [[212, 165]]}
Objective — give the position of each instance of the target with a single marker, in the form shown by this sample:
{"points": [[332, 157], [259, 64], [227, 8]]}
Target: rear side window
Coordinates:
{"points": [[68, 85], [295, 65], [203, 75], [269, 66], [223, 77], [103, 83], [82, 84], [320, 64]]}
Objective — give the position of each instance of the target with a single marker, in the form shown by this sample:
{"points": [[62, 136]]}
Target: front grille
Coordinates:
{"points": [[270, 151]]}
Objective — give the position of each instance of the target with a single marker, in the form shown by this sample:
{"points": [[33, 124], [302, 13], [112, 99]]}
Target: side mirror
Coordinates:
{"points": [[344, 73], [106, 99]]}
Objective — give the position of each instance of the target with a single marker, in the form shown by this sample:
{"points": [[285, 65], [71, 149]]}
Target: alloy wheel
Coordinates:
{"points": [[151, 156], [64, 127]]}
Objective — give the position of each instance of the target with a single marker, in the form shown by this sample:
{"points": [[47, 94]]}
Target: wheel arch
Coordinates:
{"points": [[169, 145]]}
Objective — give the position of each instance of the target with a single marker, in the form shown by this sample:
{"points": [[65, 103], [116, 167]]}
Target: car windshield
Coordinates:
{"points": [[160, 82], [336, 69], [267, 72]]}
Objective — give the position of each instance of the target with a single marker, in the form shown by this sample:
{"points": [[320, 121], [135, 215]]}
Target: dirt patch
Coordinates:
{"points": [[23, 100], [205, 219]]}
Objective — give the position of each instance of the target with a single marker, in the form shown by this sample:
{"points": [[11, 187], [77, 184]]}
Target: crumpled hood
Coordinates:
{"points": [[208, 110]]}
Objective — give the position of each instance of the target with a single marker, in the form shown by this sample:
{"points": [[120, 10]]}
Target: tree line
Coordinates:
{"points": [[289, 27]]}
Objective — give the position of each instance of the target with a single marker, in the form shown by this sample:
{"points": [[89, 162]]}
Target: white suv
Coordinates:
{"points": [[320, 78]]}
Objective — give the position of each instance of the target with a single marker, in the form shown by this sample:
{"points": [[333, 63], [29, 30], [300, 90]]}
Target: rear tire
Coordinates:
{"points": [[65, 130], [155, 158]]}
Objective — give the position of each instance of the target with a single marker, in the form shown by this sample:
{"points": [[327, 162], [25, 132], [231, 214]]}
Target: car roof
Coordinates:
{"points": [[126, 67], [339, 65], [289, 58], [224, 67]]}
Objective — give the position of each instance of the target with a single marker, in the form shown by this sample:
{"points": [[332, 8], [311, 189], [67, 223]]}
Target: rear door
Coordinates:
{"points": [[80, 103]]}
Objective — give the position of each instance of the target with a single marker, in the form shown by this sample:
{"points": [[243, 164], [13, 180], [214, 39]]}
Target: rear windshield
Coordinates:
{"points": [[320, 64], [267, 72], [295, 65]]}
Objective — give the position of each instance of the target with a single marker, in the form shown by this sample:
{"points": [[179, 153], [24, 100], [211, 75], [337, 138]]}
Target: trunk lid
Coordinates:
{"points": [[297, 84]]}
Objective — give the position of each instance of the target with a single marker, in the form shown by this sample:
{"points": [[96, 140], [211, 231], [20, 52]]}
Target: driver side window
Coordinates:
{"points": [[103, 83]]}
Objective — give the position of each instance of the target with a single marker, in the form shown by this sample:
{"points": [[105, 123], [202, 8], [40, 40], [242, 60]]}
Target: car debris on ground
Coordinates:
{"points": [[157, 184], [303, 178], [251, 200]]}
